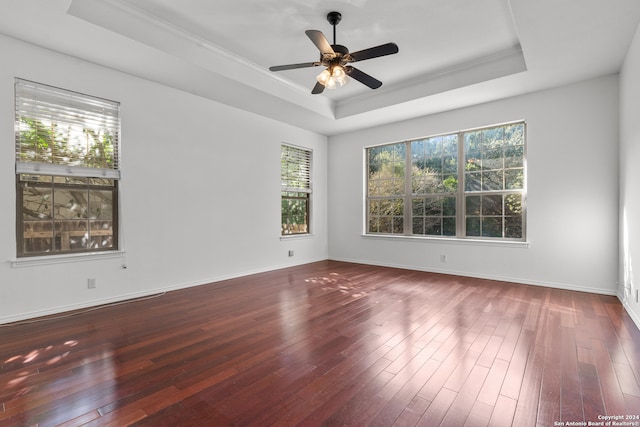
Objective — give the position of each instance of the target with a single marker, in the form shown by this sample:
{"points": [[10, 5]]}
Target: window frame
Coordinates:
{"points": [[68, 109], [296, 188], [460, 194]]}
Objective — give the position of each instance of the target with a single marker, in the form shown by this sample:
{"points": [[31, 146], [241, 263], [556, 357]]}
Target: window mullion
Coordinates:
{"points": [[460, 199], [408, 219]]}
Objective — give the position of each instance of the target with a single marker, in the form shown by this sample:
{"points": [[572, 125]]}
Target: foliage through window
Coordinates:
{"points": [[466, 184], [67, 172], [295, 168]]}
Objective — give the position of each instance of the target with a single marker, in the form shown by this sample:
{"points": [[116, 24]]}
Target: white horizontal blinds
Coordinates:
{"points": [[296, 169], [60, 132]]}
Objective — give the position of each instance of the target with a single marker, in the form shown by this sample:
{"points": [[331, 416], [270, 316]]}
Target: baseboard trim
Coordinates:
{"points": [[567, 287], [136, 295], [21, 317], [625, 303]]}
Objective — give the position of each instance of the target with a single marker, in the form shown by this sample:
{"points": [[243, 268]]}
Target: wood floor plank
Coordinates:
{"points": [[503, 412], [438, 409], [327, 343], [527, 407], [479, 416], [466, 397]]}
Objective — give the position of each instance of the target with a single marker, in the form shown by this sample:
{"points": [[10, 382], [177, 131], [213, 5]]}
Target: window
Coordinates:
{"points": [[67, 172], [469, 184], [295, 167]]}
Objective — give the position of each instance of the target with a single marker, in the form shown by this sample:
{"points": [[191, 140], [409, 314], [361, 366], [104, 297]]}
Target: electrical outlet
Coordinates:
{"points": [[91, 283], [637, 295], [443, 257], [290, 253]]}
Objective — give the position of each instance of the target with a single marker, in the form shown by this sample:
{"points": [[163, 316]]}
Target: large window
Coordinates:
{"points": [[67, 172], [295, 167], [469, 184]]}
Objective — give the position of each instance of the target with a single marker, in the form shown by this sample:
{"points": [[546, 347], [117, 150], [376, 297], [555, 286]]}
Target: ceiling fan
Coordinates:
{"points": [[335, 58]]}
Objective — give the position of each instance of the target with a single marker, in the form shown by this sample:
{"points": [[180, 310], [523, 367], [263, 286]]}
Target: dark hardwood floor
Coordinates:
{"points": [[333, 344]]}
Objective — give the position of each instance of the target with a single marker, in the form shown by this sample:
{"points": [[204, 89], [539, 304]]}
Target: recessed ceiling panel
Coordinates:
{"points": [[432, 35]]}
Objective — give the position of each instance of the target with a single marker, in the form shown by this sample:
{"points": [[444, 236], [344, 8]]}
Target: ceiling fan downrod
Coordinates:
{"points": [[334, 19]]}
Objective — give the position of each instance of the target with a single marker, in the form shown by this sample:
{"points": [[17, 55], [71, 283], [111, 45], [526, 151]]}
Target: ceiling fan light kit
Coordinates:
{"points": [[335, 57]]}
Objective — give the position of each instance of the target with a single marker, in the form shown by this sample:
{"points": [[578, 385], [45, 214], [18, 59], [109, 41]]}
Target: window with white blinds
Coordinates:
{"points": [[295, 167], [67, 170], [65, 132]]}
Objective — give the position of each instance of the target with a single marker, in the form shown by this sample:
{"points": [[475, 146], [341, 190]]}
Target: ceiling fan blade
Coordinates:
{"points": [[363, 77], [294, 66], [318, 88], [320, 41], [374, 52]]}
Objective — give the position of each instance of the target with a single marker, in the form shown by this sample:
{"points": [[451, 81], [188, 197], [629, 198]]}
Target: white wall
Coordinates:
{"points": [[200, 196], [629, 180], [572, 210]]}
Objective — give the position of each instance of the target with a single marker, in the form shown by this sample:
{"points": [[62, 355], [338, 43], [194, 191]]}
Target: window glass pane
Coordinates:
{"points": [[491, 205], [513, 204], [434, 216], [513, 227], [69, 180], [492, 180], [473, 181], [514, 179], [492, 227], [418, 225], [450, 164], [294, 213], [473, 142], [37, 202], [433, 226], [492, 139], [450, 145], [101, 204], [514, 156], [34, 178], [391, 207], [449, 206], [387, 170], [103, 182], [385, 225], [71, 235], [69, 204], [433, 206], [514, 134], [418, 207], [37, 236], [473, 226], [398, 225], [449, 226], [54, 216], [450, 184], [386, 216], [434, 165], [101, 234], [473, 205]]}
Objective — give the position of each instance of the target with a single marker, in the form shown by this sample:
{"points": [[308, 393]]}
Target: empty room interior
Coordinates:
{"points": [[449, 236]]}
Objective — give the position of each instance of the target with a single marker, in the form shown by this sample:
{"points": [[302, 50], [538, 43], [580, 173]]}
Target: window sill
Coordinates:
{"points": [[297, 236], [452, 241], [60, 259]]}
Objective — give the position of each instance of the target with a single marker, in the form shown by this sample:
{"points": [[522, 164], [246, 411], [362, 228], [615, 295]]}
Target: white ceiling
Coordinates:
{"points": [[453, 53]]}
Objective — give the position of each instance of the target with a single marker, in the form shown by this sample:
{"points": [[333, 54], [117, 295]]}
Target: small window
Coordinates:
{"points": [[67, 172], [295, 167], [468, 184]]}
